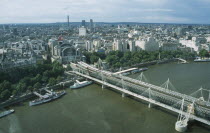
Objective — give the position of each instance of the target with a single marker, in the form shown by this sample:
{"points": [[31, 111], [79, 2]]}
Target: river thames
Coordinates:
{"points": [[91, 110]]}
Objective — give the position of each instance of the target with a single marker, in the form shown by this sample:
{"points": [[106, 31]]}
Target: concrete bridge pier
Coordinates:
{"points": [[103, 86], [150, 105], [124, 95], [181, 126]]}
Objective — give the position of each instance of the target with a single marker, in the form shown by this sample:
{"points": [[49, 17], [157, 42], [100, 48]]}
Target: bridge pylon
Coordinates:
{"points": [[150, 104], [182, 122], [103, 79]]}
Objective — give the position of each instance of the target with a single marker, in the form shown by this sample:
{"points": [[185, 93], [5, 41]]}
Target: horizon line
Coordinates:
{"points": [[105, 22]]}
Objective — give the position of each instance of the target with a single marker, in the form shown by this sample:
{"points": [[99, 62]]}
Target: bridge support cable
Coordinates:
{"points": [[194, 94], [142, 78], [199, 94], [169, 86], [178, 104], [180, 116], [146, 93]]}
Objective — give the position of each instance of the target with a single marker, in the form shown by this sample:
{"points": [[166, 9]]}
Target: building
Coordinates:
{"points": [[68, 20], [148, 44], [194, 44], [82, 31], [124, 45], [91, 25], [119, 45], [89, 46], [64, 51], [97, 44], [83, 23], [169, 45]]}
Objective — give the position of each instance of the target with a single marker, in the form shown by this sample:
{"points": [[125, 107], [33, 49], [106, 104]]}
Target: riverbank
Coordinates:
{"points": [[146, 64], [26, 96], [29, 95]]}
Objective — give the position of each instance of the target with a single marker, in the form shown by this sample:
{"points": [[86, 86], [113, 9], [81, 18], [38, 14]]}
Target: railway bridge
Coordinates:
{"points": [[189, 107]]}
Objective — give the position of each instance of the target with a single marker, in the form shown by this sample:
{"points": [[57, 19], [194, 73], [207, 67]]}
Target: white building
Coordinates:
{"points": [[149, 44], [194, 44], [124, 45], [89, 46], [118, 45], [82, 31], [131, 45], [97, 44]]}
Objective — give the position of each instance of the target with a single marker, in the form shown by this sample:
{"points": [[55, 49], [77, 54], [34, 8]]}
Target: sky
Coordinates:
{"points": [[143, 11]]}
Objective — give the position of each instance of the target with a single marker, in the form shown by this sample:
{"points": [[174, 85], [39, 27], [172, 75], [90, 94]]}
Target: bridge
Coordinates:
{"points": [[188, 107]]}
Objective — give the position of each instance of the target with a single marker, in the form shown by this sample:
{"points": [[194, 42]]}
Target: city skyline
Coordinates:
{"points": [[142, 11]]}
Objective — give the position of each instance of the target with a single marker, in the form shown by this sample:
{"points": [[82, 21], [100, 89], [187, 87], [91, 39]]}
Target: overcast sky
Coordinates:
{"points": [[151, 11]]}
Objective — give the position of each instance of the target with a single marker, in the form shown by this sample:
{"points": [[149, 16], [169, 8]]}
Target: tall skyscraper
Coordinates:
{"points": [[68, 20], [91, 25], [83, 23]]}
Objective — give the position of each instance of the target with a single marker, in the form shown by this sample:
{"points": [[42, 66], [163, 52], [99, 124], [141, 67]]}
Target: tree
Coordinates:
{"points": [[93, 59], [26, 80], [38, 78], [52, 81], [30, 88], [5, 95], [14, 92], [5, 85], [203, 53], [59, 78], [21, 87], [37, 86]]}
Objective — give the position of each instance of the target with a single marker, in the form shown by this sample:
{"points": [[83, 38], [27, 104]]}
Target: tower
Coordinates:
{"points": [[91, 25], [83, 23], [68, 20]]}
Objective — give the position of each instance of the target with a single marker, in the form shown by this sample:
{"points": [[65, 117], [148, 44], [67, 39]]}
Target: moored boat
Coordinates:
{"points": [[139, 70], [47, 97], [5, 113], [199, 59], [79, 84]]}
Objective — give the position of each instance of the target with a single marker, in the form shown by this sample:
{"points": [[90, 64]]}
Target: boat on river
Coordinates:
{"points": [[47, 97], [79, 84], [5, 113], [199, 59]]}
